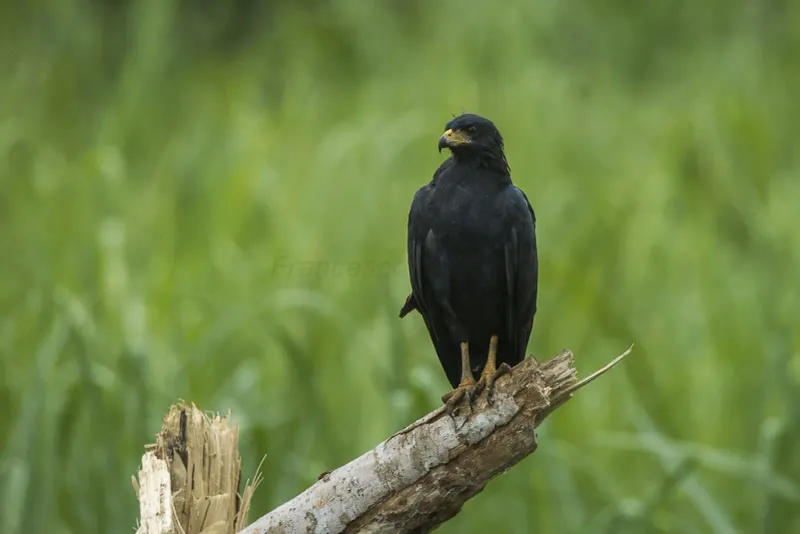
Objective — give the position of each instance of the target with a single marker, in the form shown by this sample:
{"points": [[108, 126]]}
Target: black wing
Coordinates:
{"points": [[522, 271], [421, 298], [418, 229], [417, 232]]}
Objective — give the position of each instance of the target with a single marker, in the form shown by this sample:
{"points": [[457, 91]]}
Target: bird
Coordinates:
{"points": [[473, 260]]}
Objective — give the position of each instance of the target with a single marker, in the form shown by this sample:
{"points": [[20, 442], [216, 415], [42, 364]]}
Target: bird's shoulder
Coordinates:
{"points": [[445, 166], [423, 194], [518, 203], [418, 203]]}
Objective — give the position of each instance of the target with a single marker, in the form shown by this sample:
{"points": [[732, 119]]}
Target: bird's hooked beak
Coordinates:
{"points": [[451, 139]]}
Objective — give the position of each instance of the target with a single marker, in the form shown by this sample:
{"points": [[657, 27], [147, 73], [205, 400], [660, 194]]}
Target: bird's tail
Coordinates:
{"points": [[409, 306]]}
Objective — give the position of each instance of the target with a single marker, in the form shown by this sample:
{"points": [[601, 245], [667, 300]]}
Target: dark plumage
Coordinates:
{"points": [[472, 258]]}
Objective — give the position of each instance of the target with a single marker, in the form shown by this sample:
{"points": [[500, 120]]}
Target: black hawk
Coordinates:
{"points": [[472, 260]]}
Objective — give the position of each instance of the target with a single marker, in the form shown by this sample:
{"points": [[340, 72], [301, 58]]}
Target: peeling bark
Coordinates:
{"points": [[421, 476]]}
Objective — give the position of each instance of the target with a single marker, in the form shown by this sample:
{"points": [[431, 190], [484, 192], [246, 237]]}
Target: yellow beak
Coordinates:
{"points": [[450, 139]]}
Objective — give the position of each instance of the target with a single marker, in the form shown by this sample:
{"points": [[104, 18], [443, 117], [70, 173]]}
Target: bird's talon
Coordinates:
{"points": [[486, 385], [454, 397], [481, 385], [452, 403], [504, 369], [488, 379]]}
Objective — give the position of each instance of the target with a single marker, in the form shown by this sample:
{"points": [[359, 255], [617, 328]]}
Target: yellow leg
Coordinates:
{"points": [[490, 371], [466, 372], [466, 386], [491, 361]]}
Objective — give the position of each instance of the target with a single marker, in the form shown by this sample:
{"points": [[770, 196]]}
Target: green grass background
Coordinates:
{"points": [[208, 200]]}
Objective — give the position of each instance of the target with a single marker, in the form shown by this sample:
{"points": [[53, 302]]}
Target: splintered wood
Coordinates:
{"points": [[189, 480]]}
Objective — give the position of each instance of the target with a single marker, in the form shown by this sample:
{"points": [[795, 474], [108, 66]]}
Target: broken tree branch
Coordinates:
{"points": [[190, 477], [422, 475]]}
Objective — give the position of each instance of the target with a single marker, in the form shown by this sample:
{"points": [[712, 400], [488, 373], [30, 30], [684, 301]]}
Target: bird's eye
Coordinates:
{"points": [[472, 129]]}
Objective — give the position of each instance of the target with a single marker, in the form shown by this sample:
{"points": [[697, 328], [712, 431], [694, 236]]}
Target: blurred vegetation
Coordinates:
{"points": [[208, 200]]}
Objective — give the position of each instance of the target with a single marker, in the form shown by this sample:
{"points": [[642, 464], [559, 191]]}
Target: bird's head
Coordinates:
{"points": [[471, 134]]}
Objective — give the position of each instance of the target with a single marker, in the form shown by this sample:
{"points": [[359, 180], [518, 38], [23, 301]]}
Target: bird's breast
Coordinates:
{"points": [[467, 252], [470, 232], [472, 222]]}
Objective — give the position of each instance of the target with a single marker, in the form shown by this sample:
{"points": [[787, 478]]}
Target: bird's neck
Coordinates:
{"points": [[486, 159]]}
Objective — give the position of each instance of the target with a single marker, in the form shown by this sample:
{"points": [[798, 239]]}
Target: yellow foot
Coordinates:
{"points": [[466, 389], [488, 378]]}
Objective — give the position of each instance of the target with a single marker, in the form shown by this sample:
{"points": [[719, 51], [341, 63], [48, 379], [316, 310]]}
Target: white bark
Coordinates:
{"points": [[155, 496], [421, 476]]}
